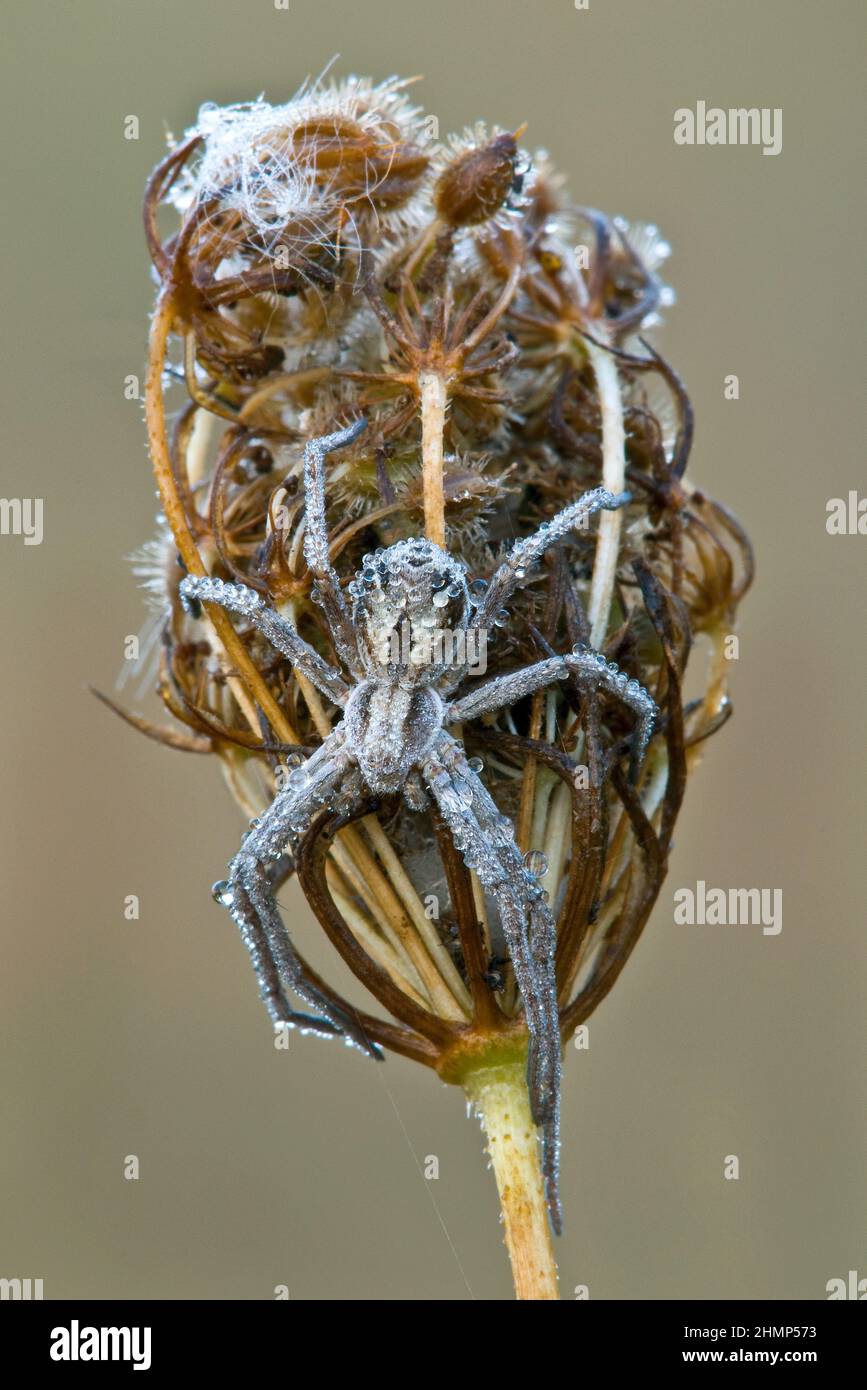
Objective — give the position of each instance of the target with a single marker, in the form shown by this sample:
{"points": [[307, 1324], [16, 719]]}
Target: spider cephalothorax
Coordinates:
{"points": [[394, 738], [403, 598]]}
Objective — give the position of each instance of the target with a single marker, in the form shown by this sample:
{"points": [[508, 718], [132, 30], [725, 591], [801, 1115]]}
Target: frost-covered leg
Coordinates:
{"points": [[589, 666], [326, 779], [267, 974], [236, 598], [486, 842], [527, 553], [326, 589]]}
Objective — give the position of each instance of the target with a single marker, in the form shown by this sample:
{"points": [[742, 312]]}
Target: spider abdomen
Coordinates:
{"points": [[389, 729]]}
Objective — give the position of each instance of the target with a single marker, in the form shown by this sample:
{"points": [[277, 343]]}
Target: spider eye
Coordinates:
{"points": [[438, 582]]}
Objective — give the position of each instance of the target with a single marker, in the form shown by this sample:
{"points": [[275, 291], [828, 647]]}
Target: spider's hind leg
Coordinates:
{"points": [[486, 841], [267, 973], [327, 778]]}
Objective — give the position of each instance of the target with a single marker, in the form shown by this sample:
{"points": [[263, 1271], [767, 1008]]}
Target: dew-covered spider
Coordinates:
{"points": [[394, 738]]}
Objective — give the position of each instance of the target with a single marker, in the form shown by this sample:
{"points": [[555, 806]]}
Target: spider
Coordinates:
{"points": [[394, 738]]}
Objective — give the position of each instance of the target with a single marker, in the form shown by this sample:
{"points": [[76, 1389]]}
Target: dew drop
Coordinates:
{"points": [[463, 791], [222, 893], [536, 863], [475, 764]]}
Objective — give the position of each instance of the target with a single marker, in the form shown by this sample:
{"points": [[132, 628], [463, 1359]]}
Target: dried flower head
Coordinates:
{"points": [[482, 175], [331, 265]]}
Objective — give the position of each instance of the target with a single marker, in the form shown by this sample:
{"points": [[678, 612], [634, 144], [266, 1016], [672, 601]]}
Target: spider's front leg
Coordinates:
{"points": [[327, 591], [526, 554], [590, 667], [328, 778], [236, 598], [486, 842]]}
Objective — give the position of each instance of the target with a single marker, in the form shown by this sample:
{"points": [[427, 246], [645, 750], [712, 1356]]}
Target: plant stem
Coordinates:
{"points": [[432, 388], [499, 1095], [613, 476]]}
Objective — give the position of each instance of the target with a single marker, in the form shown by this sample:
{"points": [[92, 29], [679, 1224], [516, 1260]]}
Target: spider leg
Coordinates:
{"points": [[235, 598], [486, 841], [268, 976], [414, 793], [527, 553], [328, 778], [326, 590], [589, 666]]}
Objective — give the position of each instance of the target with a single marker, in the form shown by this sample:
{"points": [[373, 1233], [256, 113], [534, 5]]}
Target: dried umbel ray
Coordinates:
{"points": [[329, 262]]}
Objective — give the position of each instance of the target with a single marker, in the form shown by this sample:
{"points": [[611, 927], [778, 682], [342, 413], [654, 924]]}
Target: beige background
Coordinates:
{"points": [[147, 1038]]}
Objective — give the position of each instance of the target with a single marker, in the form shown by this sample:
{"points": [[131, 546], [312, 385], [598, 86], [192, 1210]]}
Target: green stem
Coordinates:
{"points": [[499, 1095]]}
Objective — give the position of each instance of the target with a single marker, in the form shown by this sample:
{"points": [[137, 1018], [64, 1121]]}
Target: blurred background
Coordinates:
{"points": [[304, 1168]]}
